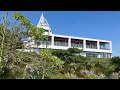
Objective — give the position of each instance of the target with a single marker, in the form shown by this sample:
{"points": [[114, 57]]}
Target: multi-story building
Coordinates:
{"points": [[91, 47]]}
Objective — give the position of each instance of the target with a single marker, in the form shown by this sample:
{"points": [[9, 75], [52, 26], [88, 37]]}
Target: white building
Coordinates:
{"points": [[91, 47]]}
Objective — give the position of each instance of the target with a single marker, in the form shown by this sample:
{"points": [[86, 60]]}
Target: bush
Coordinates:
{"points": [[116, 61], [74, 50], [69, 56]]}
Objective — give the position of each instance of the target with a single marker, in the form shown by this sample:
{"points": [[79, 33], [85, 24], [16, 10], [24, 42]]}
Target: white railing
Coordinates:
{"points": [[44, 42], [91, 46], [58, 43], [76, 45]]}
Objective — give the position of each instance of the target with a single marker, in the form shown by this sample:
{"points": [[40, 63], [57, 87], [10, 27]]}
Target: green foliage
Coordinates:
{"points": [[64, 76], [48, 64], [15, 63], [116, 61], [22, 19], [76, 59], [74, 50], [9, 44], [3, 29], [47, 55], [70, 55], [62, 54], [58, 76], [34, 31]]}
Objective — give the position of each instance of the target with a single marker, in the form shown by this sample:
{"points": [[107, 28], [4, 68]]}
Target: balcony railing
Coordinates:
{"points": [[76, 45], [58, 43], [43, 42], [91, 46], [104, 48]]}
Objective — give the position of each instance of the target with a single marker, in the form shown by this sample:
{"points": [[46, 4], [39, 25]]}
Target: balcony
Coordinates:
{"points": [[77, 45], [104, 46], [41, 42], [91, 44], [58, 43]]}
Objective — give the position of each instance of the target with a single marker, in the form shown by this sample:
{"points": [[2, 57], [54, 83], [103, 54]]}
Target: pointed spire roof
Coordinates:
{"points": [[43, 22]]}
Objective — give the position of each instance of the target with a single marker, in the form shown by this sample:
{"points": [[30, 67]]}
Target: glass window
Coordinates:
{"points": [[105, 55], [92, 54]]}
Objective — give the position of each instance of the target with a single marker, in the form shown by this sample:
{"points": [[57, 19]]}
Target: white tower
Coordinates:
{"points": [[44, 24]]}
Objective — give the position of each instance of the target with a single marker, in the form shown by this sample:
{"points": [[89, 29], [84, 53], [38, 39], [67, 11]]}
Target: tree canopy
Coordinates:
{"points": [[48, 64]]}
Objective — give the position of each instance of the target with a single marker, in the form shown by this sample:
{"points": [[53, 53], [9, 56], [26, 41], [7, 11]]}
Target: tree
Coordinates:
{"points": [[31, 31], [3, 29], [69, 56], [13, 62], [46, 66], [74, 50], [116, 61]]}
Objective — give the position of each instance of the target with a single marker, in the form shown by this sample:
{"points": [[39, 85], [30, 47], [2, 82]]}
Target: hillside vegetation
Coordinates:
{"points": [[48, 64]]}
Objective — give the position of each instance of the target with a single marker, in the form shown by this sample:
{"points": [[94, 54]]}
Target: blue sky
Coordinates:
{"points": [[90, 24]]}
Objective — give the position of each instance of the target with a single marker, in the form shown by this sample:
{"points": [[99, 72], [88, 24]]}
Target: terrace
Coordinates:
{"points": [[76, 43], [104, 45], [60, 41], [91, 44]]}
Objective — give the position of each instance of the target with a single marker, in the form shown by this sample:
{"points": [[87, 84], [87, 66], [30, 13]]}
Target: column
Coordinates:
{"points": [[84, 44], [110, 44], [98, 45], [69, 42], [52, 41]]}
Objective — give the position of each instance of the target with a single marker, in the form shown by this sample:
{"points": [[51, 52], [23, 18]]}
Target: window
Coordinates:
{"points": [[105, 55], [92, 54], [108, 55]]}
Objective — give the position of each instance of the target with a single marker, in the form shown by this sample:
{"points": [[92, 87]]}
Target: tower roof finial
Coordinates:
{"points": [[43, 22]]}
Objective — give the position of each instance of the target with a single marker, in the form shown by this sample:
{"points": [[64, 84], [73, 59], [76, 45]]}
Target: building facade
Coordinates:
{"points": [[91, 47]]}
